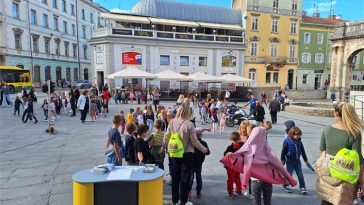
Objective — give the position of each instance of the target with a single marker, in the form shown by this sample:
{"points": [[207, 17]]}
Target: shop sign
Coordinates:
{"points": [[131, 58]]}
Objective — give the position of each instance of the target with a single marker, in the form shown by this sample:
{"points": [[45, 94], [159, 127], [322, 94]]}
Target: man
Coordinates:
{"points": [[259, 114], [274, 107], [73, 99], [252, 102], [227, 95], [83, 105]]}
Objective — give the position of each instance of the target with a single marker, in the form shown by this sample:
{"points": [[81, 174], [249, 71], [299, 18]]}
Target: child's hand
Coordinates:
{"points": [[228, 154]]}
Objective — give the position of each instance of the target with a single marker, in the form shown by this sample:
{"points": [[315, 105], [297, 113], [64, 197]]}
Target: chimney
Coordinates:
{"points": [[316, 15]]}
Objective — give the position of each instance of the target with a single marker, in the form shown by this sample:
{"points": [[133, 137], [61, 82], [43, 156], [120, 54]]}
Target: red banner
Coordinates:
{"points": [[131, 58]]}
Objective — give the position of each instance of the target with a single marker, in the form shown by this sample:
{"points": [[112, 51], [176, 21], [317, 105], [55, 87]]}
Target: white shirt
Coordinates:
{"points": [[227, 94]]}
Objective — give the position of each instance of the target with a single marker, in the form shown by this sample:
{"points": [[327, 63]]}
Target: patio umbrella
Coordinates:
{"points": [[205, 78], [171, 75], [131, 73], [230, 78]]}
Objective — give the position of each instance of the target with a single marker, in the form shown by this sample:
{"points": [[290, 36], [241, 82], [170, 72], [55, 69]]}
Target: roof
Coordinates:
{"points": [[316, 20], [186, 11]]}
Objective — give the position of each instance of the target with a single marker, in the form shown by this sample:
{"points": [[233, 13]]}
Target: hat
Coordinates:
{"points": [[289, 124], [199, 130]]}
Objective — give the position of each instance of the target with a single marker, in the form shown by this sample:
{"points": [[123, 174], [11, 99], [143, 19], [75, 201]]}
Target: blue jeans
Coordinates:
{"points": [[150, 124], [296, 166], [112, 159]]}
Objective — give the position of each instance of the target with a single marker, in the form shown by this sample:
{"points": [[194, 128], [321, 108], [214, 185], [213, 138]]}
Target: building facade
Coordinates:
{"points": [[272, 30], [315, 51], [158, 35], [50, 37]]}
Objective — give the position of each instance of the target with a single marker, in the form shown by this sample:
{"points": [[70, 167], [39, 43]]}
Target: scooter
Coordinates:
{"points": [[237, 117]]}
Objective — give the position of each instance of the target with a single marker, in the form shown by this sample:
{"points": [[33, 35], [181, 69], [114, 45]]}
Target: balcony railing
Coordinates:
{"points": [[282, 60], [102, 32], [264, 9]]}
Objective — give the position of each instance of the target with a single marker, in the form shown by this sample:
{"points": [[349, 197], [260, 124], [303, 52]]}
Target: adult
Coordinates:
{"points": [[264, 98], [77, 94], [259, 114], [347, 95], [106, 97], [274, 108], [138, 96], [333, 96], [252, 103], [24, 94], [1, 92], [83, 104], [227, 95], [73, 101], [182, 167], [32, 95], [156, 96], [6, 95], [345, 133]]}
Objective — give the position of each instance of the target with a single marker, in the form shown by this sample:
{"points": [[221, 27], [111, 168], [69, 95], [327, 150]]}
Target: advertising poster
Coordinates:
{"points": [[131, 58]]}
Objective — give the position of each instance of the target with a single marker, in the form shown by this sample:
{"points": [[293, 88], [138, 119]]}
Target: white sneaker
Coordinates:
{"points": [[247, 195], [188, 203]]}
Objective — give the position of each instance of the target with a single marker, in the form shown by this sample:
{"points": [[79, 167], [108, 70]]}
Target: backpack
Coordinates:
{"points": [[292, 153], [175, 145], [346, 166]]}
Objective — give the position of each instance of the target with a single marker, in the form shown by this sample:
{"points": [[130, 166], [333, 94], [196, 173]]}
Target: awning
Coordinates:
{"points": [[125, 18], [221, 26], [131, 73], [172, 22], [230, 78], [171, 75], [205, 78]]}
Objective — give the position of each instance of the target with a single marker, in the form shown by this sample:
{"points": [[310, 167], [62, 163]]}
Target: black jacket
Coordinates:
{"points": [[232, 148], [259, 113], [198, 156], [130, 149], [274, 106]]}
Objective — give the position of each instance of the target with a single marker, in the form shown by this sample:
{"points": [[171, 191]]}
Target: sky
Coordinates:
{"points": [[350, 10]]}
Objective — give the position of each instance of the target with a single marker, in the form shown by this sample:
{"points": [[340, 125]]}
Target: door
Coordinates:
{"points": [[318, 81], [59, 75], [290, 78], [36, 77], [100, 79], [85, 74]]}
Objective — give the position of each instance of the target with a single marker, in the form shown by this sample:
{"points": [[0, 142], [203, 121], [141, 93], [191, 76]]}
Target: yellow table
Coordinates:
{"points": [[137, 188]]}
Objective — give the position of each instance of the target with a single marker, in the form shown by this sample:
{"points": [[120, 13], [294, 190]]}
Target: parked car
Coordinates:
{"points": [[82, 84]]}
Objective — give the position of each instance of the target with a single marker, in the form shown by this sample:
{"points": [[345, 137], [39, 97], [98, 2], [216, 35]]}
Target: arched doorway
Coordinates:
{"points": [[290, 78], [47, 73], [85, 74], [36, 76], [354, 72]]}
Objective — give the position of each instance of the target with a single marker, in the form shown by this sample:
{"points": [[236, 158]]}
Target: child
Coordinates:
{"points": [[104, 105], [131, 97], [233, 177], [144, 156], [135, 116], [214, 118], [204, 112], [130, 144], [267, 125], [99, 104], [64, 103], [156, 143], [45, 108], [222, 121], [291, 154], [140, 118], [122, 122], [115, 143], [129, 116], [198, 159], [52, 108], [17, 104], [93, 109]]}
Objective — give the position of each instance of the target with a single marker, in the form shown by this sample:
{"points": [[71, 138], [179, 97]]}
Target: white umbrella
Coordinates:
{"points": [[171, 75], [131, 73], [205, 78], [230, 78]]}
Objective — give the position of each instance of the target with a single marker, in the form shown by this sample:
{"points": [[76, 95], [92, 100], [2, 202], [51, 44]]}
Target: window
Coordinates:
{"points": [[55, 23], [255, 21], [320, 38], [273, 49], [33, 17], [307, 38], [293, 27], [58, 46], [64, 6], [202, 61], [267, 77], [46, 45], [72, 9], [252, 73], [91, 18], [253, 48], [66, 48], [275, 3], [44, 2], [292, 50], [98, 21], [45, 21], [15, 10], [65, 30], [275, 25], [184, 61], [83, 14], [294, 5], [47, 73], [17, 37], [68, 74], [355, 77], [85, 51], [275, 77], [84, 32], [319, 58], [74, 47], [164, 60], [73, 29], [306, 57], [35, 43], [304, 79], [55, 4]]}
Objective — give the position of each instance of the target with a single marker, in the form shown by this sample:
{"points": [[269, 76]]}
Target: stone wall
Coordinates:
{"points": [[312, 109], [292, 94]]}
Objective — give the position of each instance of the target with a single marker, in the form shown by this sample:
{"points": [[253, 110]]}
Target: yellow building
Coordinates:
{"points": [[272, 34]]}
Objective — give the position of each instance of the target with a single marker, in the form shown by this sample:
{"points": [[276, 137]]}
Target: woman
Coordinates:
{"points": [[180, 99], [182, 167], [156, 96], [243, 131], [72, 97], [83, 104], [345, 133]]}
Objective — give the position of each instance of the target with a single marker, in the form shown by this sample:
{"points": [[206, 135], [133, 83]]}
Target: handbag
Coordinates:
{"points": [[322, 168]]}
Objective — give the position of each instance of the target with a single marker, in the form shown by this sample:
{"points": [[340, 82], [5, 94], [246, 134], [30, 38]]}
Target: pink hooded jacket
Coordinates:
{"points": [[256, 159]]}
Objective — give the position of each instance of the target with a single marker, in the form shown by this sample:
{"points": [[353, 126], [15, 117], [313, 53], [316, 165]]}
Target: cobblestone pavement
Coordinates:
{"points": [[36, 168]]}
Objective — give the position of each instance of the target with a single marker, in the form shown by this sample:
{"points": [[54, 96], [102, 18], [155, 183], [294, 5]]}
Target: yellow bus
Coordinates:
{"points": [[15, 77]]}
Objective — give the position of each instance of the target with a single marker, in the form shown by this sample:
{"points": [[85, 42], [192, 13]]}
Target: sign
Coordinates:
{"points": [[143, 33], [131, 58], [204, 38], [99, 55], [236, 39], [222, 38], [184, 36], [122, 32], [228, 61], [164, 35]]}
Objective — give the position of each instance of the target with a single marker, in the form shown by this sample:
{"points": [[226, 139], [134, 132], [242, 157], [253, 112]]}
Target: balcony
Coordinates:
{"points": [[254, 59], [153, 34], [281, 60]]}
